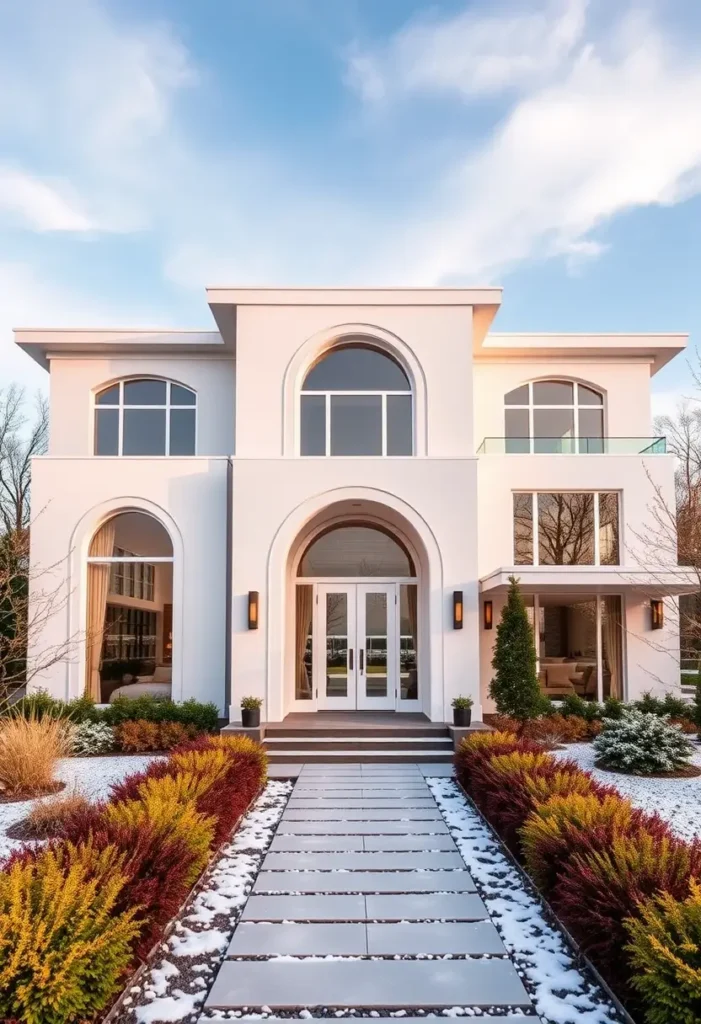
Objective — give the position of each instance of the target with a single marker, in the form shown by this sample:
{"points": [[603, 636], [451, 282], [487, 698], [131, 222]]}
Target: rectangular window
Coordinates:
{"points": [[129, 633], [132, 579], [182, 432], [356, 424], [106, 431], [399, 420], [523, 529], [144, 432], [518, 432], [553, 431], [313, 425], [571, 528]]}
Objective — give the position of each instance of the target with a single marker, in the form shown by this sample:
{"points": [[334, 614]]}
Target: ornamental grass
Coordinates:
{"points": [[29, 750]]}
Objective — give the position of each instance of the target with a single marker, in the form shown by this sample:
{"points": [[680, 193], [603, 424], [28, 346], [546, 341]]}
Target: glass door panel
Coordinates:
{"points": [[336, 687], [377, 643]]}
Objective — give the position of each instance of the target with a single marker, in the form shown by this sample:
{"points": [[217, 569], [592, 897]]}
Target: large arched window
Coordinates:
{"points": [[554, 416], [145, 417], [356, 550], [356, 400]]}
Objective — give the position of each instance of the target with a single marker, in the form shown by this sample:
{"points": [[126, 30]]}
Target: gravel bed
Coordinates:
{"points": [[678, 801], [92, 776]]}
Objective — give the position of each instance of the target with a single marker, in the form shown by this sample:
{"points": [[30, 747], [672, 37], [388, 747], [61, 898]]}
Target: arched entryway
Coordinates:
{"points": [[129, 607], [358, 587]]}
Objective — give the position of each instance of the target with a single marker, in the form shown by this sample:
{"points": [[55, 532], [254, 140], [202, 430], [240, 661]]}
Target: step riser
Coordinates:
{"points": [[381, 757], [437, 745], [355, 729]]}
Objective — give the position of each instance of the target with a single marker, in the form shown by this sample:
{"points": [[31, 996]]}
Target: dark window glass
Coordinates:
{"points": [[399, 440], [181, 396], [144, 432], [587, 396], [355, 551], [608, 529], [356, 368], [107, 431], [144, 392], [553, 392], [182, 431], [566, 529], [408, 641], [553, 430], [110, 396], [591, 423], [519, 396], [517, 431], [523, 529], [313, 425], [356, 425]]}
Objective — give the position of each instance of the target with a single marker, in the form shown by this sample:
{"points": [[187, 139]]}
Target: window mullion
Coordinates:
{"points": [[120, 424], [599, 654], [328, 424], [597, 552], [534, 516], [384, 423], [167, 414]]}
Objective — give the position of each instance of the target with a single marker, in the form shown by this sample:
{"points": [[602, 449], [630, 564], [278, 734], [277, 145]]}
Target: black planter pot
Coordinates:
{"points": [[250, 718], [462, 717]]}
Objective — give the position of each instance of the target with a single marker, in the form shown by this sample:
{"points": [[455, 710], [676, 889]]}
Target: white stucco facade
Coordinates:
{"points": [[241, 511]]}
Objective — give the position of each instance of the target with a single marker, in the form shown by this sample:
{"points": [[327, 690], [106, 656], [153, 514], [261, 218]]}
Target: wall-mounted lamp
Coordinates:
{"points": [[487, 614], [253, 609], [457, 609], [657, 610]]}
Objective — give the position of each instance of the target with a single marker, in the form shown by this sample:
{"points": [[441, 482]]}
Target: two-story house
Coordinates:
{"points": [[320, 503]]}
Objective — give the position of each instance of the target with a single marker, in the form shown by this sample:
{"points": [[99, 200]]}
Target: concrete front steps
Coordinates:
{"points": [[336, 745]]}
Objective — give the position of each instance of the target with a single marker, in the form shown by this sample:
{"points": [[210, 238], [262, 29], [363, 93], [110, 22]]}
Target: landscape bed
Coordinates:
{"points": [[620, 879], [124, 866]]}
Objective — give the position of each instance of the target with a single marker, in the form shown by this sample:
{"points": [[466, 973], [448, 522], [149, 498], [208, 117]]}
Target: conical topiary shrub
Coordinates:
{"points": [[514, 686]]}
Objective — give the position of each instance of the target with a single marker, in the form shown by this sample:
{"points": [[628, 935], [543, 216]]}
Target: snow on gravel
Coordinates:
{"points": [[678, 801], [92, 776], [561, 992], [175, 988]]}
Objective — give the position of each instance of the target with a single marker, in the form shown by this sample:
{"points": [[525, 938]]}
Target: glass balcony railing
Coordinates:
{"points": [[573, 446]]}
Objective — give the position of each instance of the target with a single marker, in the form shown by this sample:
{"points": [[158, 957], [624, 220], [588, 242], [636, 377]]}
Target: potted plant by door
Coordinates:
{"points": [[250, 712], [462, 711]]}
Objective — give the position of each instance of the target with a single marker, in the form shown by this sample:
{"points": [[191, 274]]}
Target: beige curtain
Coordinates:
{"points": [[613, 644], [304, 605], [412, 597], [102, 546]]}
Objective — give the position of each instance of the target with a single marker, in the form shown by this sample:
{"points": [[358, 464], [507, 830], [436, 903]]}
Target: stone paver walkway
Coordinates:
{"points": [[362, 866]]}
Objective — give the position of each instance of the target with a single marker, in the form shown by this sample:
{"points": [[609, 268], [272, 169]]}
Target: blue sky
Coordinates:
{"points": [[151, 147]]}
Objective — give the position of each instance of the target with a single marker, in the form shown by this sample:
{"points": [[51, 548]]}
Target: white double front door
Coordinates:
{"points": [[357, 653]]}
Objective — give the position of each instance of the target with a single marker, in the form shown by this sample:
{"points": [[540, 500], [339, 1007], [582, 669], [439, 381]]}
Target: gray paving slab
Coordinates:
{"points": [[321, 828], [466, 937], [441, 770], [400, 843], [353, 802], [298, 939], [334, 844], [304, 908], [367, 983], [315, 861], [364, 881], [428, 907], [322, 791], [283, 771], [363, 814]]}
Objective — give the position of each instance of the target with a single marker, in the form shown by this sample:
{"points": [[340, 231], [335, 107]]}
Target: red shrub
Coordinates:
{"points": [[128, 788], [599, 888], [477, 751]]}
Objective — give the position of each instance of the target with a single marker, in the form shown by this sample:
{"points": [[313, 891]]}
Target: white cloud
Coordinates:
{"points": [[40, 205], [470, 53]]}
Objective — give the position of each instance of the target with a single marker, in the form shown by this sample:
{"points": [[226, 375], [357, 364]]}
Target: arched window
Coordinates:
{"points": [[356, 550], [356, 400], [554, 416], [145, 417]]}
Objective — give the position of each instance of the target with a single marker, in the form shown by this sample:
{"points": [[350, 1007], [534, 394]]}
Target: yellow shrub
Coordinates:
{"points": [[544, 787], [519, 762], [210, 764], [63, 949], [548, 836], [168, 805], [665, 950], [485, 740]]}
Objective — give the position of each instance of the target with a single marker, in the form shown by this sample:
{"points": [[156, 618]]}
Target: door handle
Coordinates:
{"points": [[361, 655], [350, 659]]}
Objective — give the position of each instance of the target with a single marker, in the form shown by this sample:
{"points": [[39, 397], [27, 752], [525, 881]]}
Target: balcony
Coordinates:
{"points": [[573, 446]]}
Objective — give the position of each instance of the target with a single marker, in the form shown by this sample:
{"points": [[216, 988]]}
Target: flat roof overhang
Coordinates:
{"points": [[43, 344], [656, 349], [600, 579]]}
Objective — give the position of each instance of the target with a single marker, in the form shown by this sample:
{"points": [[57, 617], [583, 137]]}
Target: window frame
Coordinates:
{"points": [[121, 407], [381, 393], [575, 407], [143, 576], [597, 563]]}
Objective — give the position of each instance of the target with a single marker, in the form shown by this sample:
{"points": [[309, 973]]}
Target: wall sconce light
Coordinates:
{"points": [[457, 609], [253, 609], [487, 615], [657, 610]]}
